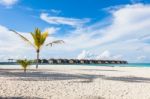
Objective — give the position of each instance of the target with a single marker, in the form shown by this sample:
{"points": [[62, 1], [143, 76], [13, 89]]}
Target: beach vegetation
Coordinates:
{"points": [[24, 64], [39, 39]]}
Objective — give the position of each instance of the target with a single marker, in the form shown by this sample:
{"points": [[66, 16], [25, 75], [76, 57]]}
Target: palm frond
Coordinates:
{"points": [[22, 37], [36, 44], [43, 37], [39, 37], [55, 42]]}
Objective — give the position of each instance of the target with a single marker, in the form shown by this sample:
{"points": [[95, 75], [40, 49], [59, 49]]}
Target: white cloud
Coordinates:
{"points": [[128, 33], [63, 20], [105, 55], [118, 57], [8, 3], [55, 11], [141, 57], [126, 36], [51, 30], [129, 22], [11, 45], [86, 55]]}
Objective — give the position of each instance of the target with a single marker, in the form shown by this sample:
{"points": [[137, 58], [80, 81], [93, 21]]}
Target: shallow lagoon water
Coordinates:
{"points": [[109, 65]]}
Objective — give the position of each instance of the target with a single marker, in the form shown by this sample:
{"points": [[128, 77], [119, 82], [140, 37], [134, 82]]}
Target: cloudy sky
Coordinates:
{"points": [[92, 29]]}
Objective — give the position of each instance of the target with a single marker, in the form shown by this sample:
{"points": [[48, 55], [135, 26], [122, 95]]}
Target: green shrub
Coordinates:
{"points": [[24, 64]]}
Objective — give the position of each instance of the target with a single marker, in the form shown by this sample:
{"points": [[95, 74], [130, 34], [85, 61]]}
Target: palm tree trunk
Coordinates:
{"points": [[37, 61], [24, 70]]}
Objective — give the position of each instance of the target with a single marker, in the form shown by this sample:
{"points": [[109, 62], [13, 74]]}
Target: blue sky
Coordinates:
{"points": [[25, 10], [99, 29]]}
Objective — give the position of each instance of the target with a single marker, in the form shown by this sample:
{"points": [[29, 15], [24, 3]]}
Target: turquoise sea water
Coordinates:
{"points": [[109, 65], [124, 65]]}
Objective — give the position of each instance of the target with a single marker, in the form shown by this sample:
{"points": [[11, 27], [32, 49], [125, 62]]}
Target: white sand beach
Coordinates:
{"points": [[75, 82]]}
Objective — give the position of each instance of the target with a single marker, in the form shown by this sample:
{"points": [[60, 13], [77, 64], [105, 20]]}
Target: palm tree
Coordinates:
{"points": [[24, 63], [39, 39]]}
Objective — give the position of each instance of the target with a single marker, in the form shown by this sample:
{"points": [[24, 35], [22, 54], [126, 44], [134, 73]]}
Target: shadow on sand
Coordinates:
{"points": [[96, 70], [130, 79], [89, 97], [38, 75], [20, 98], [46, 76]]}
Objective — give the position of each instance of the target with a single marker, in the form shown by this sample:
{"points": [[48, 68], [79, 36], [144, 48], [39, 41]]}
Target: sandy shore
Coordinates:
{"points": [[75, 82]]}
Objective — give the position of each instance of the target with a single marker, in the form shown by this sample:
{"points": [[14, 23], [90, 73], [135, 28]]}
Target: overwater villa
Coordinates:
{"points": [[71, 61], [52, 61], [99, 62], [83, 61], [77, 61], [59, 61], [10, 60], [44, 61], [112, 62]]}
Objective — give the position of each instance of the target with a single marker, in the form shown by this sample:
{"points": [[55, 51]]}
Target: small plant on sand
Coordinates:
{"points": [[24, 64]]}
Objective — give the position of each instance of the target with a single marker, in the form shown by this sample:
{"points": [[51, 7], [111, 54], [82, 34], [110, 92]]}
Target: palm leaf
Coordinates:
{"points": [[39, 37], [55, 42], [43, 37], [35, 40], [21, 36]]}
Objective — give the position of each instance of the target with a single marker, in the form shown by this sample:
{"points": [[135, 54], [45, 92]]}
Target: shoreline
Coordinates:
{"points": [[47, 66]]}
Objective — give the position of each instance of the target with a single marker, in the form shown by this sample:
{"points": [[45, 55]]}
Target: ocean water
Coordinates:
{"points": [[124, 65], [109, 65]]}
